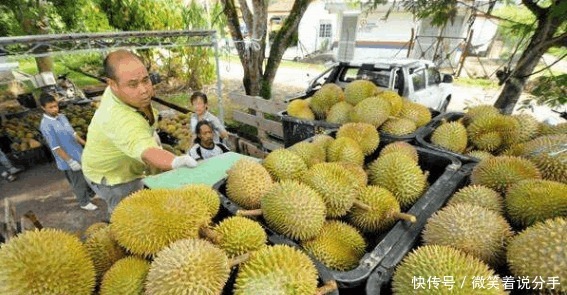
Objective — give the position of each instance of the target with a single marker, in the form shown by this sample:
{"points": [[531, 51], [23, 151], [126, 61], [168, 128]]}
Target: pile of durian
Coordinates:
{"points": [[23, 132], [322, 195], [362, 101], [80, 117], [508, 219], [158, 242], [178, 127]]}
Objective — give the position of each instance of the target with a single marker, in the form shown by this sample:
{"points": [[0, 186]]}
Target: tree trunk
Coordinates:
{"points": [[513, 87], [39, 27]]}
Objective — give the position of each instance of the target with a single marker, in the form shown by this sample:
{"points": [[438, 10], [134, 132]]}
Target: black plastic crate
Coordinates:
{"points": [[31, 157], [27, 100], [423, 137], [379, 281], [441, 169]]}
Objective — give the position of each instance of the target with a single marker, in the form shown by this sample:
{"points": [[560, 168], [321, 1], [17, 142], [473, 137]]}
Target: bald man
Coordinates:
{"points": [[121, 144]]}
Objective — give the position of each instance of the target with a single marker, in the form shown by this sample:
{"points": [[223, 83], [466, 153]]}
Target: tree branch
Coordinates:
{"points": [[534, 8], [560, 40], [246, 14]]}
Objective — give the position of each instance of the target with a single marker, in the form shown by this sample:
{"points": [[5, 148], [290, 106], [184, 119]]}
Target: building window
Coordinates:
{"points": [[324, 30]]}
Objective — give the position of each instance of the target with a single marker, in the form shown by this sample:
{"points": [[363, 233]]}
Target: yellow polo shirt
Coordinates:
{"points": [[117, 137]]}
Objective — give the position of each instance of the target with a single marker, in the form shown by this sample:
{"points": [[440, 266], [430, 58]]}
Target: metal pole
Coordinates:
{"points": [[219, 84]]}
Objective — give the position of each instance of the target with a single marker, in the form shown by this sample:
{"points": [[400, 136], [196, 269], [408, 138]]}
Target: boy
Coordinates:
{"points": [[205, 147], [66, 148], [200, 105]]}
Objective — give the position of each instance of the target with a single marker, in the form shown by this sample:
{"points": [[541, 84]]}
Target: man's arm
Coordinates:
{"points": [[165, 160]]}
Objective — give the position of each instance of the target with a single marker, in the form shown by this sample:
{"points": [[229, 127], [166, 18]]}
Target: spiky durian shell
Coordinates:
{"points": [[472, 229], [103, 250], [548, 154], [373, 110], [322, 100], [481, 155], [47, 261], [416, 112], [339, 246], [402, 147], [299, 108], [239, 235], [381, 216], [481, 196], [337, 186], [294, 209], [437, 261], [323, 140], [400, 175], [539, 251], [451, 136], [546, 129], [345, 149], [532, 200], [125, 277], [247, 182], [340, 113], [149, 220], [205, 193], [358, 90], [188, 266], [492, 132], [498, 173], [94, 228], [364, 134], [479, 110], [284, 164], [529, 127], [279, 269], [398, 126], [394, 99], [357, 171], [310, 153]]}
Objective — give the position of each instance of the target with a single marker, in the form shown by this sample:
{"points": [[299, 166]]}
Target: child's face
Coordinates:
{"points": [[51, 108], [199, 106]]}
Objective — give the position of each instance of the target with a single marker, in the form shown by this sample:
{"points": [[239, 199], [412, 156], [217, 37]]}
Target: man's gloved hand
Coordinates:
{"points": [[183, 161], [75, 166]]}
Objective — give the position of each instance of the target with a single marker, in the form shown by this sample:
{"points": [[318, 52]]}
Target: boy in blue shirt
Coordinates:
{"points": [[65, 145]]}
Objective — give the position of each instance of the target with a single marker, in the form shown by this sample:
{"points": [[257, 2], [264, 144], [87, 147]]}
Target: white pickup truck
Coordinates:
{"points": [[418, 80]]}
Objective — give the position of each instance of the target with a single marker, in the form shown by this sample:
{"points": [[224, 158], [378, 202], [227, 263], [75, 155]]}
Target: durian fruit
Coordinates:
{"points": [[238, 235], [479, 195], [339, 113], [247, 182], [532, 200], [125, 277], [279, 269], [322, 140], [188, 266], [529, 126], [149, 220], [481, 155], [310, 153], [299, 108], [402, 147], [339, 246], [103, 250], [498, 173], [547, 129], [284, 164], [357, 171], [47, 261], [345, 149], [94, 228], [398, 126], [394, 99], [364, 134], [372, 110], [337, 186], [539, 252], [548, 154], [451, 136], [492, 132], [472, 229], [294, 209], [324, 98], [416, 112], [358, 90], [400, 175], [438, 261], [383, 211], [479, 110], [205, 193]]}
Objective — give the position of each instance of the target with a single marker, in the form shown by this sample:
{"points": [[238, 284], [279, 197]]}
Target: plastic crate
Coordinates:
{"points": [[32, 157], [441, 169], [27, 100], [379, 281], [424, 136]]}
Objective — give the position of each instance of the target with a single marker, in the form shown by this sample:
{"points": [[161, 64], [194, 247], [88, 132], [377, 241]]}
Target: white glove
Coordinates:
{"points": [[75, 166], [183, 161]]}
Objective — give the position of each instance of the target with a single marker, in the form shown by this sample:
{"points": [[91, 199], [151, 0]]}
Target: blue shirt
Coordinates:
{"points": [[59, 133]]}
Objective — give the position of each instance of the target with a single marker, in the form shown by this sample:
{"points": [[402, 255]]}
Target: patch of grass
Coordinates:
{"points": [[484, 83]]}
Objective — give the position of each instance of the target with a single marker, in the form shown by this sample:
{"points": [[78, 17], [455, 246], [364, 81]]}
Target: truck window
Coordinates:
{"points": [[418, 79], [433, 76], [349, 75]]}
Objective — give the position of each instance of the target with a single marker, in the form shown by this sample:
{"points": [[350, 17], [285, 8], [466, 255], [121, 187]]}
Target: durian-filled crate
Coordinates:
{"points": [[395, 117], [482, 132], [343, 188]]}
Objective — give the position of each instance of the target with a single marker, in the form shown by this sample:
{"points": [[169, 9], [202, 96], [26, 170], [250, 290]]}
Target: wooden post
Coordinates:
{"points": [[465, 53], [411, 42], [10, 220]]}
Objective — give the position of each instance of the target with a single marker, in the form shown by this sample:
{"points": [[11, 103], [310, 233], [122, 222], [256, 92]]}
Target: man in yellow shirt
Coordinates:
{"points": [[121, 144]]}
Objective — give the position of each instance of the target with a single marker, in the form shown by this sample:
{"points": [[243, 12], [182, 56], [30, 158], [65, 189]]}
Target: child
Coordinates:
{"points": [[200, 107], [66, 148], [205, 147]]}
